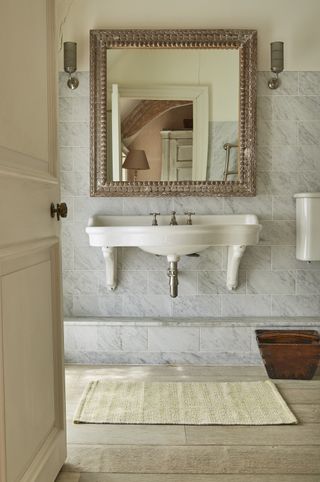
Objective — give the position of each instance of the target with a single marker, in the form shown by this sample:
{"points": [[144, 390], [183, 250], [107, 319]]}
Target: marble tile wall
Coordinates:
{"points": [[219, 134], [171, 341], [272, 281]]}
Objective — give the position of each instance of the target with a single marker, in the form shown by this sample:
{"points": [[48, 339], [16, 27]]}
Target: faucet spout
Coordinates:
{"points": [[173, 221]]}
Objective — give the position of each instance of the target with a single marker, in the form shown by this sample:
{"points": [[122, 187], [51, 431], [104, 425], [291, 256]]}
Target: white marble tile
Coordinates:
{"points": [[308, 282], [81, 159], [67, 305], [84, 207], [264, 158], [309, 132], [260, 205], [66, 158], [283, 208], [74, 134], [80, 109], [277, 182], [214, 282], [67, 183], [134, 338], [74, 183], [288, 84], [284, 257], [80, 338], [210, 258], [68, 277], [200, 305], [147, 305], [109, 338], [271, 282], [199, 205], [255, 257], [134, 282], [264, 107], [308, 181], [222, 339], [275, 133], [288, 305], [309, 157], [81, 183], [309, 83], [85, 282], [291, 107], [286, 158], [136, 259], [67, 257], [65, 109], [159, 358], [158, 282], [92, 305], [79, 236], [245, 305], [163, 339], [278, 232], [88, 258], [145, 206]]}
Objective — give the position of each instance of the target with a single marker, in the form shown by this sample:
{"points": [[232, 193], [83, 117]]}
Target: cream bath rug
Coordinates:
{"points": [[226, 403]]}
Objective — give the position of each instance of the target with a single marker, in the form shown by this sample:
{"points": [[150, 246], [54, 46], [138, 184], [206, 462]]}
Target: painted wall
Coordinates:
{"points": [[296, 22], [216, 69]]}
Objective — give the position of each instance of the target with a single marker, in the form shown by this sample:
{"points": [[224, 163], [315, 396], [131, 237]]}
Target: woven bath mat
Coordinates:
{"points": [[223, 403]]}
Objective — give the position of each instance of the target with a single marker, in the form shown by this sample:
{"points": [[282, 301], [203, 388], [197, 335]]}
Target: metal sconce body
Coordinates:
{"points": [[70, 63], [276, 64]]}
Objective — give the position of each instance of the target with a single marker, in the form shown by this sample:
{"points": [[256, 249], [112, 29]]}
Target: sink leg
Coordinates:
{"points": [[110, 258], [235, 254]]}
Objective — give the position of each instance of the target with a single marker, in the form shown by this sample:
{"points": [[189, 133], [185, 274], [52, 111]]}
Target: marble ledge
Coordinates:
{"points": [[301, 321]]}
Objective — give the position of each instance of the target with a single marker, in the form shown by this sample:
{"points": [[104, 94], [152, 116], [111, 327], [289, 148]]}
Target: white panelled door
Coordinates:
{"points": [[32, 420]]}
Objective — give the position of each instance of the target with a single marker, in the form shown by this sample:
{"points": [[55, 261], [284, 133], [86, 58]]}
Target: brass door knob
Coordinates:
{"points": [[61, 210]]}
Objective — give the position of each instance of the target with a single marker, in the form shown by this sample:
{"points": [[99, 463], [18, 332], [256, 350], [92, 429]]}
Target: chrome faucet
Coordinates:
{"points": [[189, 214], [173, 221], [154, 219]]}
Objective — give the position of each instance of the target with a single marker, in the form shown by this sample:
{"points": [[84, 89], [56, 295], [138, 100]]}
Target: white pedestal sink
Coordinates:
{"points": [[236, 231]]}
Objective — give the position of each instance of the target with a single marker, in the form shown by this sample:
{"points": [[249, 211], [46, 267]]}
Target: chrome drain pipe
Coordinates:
{"points": [[173, 278]]}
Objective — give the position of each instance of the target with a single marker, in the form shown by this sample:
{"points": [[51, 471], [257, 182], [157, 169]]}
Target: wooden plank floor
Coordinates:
{"points": [[166, 453]]}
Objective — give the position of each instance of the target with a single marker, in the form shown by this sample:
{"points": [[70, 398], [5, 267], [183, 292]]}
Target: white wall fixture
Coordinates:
{"points": [[174, 240], [308, 226]]}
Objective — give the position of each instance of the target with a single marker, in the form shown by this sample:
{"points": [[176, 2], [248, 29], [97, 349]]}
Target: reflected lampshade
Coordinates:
{"points": [[137, 160]]}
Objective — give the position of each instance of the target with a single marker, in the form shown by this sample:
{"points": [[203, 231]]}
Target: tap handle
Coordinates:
{"points": [[189, 214], [154, 220]]}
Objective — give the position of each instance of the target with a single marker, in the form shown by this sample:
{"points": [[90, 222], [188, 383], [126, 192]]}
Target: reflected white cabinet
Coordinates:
{"points": [[177, 147]]}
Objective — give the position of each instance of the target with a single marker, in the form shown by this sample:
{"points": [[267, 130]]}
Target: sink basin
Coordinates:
{"points": [[233, 230]]}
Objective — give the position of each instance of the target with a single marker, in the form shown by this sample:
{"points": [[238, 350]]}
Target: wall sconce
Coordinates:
{"points": [[136, 160], [276, 63], [70, 63]]}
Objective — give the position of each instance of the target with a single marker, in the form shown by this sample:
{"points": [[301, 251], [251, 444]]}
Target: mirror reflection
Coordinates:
{"points": [[174, 114]]}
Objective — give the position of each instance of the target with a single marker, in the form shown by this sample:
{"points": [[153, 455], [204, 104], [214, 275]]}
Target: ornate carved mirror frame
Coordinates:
{"points": [[102, 40]]}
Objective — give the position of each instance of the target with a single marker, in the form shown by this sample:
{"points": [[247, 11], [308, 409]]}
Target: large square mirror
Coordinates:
{"points": [[173, 112]]}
